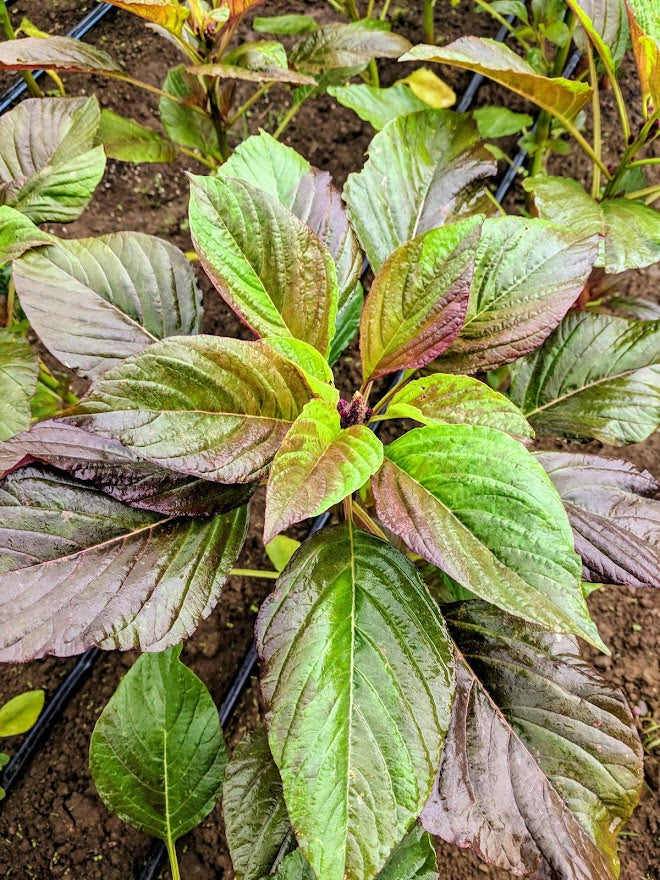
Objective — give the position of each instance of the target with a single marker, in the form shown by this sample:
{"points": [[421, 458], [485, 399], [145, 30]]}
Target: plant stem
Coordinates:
{"points": [[254, 573], [363, 517], [638, 163], [502, 20], [429, 26], [348, 509], [370, 9], [9, 32], [642, 193], [242, 110], [630, 152], [286, 119], [197, 156], [174, 864], [390, 394], [595, 106], [385, 10], [11, 295], [352, 10]]}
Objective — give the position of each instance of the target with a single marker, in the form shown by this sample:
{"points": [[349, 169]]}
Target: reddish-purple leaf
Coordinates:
{"points": [[614, 510]]}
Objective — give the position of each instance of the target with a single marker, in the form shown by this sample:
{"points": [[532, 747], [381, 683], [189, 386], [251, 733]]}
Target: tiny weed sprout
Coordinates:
{"points": [[419, 651]]}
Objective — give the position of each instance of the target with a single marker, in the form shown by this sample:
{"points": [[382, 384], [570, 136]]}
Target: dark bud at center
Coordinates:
{"points": [[354, 413]]}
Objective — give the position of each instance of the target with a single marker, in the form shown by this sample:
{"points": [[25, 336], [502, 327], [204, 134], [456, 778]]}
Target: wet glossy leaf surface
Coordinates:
{"points": [[418, 300], [207, 406], [269, 266], [563, 759], [527, 275], [356, 715], [595, 377], [421, 169], [516, 552], [78, 568], [318, 465], [615, 513], [157, 753], [95, 301]]}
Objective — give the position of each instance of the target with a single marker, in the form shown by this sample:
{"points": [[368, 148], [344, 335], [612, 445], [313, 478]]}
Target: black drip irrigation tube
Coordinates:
{"points": [[76, 676]]}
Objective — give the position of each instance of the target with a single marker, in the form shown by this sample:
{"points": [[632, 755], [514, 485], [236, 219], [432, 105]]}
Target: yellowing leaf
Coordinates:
{"points": [[428, 87], [167, 13]]}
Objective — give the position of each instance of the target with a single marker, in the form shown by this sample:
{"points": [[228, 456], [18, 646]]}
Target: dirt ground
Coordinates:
{"points": [[53, 824]]}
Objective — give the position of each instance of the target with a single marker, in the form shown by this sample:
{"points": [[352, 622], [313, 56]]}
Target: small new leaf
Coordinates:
{"points": [[19, 714]]}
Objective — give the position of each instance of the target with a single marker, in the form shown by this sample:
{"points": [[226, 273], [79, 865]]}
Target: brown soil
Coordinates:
{"points": [[53, 824]]}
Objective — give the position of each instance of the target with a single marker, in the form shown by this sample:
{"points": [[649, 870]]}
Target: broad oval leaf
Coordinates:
{"points": [[269, 267], [376, 105], [18, 234], [311, 195], [20, 713], [605, 23], [345, 46], [95, 301], [527, 274], [459, 400], [628, 230], [157, 754], [356, 674], [264, 74], [256, 821], [614, 510], [516, 552], [595, 377], [418, 300], [542, 764], [49, 166], [55, 53], [78, 568], [128, 141], [167, 13], [117, 472], [420, 170], [318, 464], [188, 123], [312, 364], [207, 406], [563, 98], [19, 372]]}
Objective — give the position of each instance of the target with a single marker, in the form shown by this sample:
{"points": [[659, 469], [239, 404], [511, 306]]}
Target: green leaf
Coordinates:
{"points": [[528, 273], [375, 105], [19, 370], [457, 400], [188, 124], [256, 821], [20, 714], [517, 552], [311, 195], [262, 75], [595, 377], [169, 14], [542, 764], [257, 55], [284, 24], [18, 235], [420, 170], [496, 122], [4, 760], [78, 568], [157, 754], [356, 674], [55, 53], [312, 364], [628, 230], [268, 265], [128, 141], [280, 550], [561, 97], [208, 406], [49, 167], [294, 867], [95, 301], [418, 300], [605, 24], [345, 46], [318, 465]]}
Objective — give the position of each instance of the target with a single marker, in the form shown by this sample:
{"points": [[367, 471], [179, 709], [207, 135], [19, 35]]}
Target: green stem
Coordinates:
{"points": [[595, 106], [352, 10], [254, 573], [198, 156], [429, 26], [242, 110], [174, 864], [642, 193], [390, 394], [216, 116], [374, 78], [286, 119], [630, 153], [370, 9], [502, 20], [542, 135], [336, 6], [638, 163], [363, 517], [9, 32], [385, 10]]}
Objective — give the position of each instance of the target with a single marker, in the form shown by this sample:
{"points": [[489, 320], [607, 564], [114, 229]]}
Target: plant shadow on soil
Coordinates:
{"points": [[53, 824]]}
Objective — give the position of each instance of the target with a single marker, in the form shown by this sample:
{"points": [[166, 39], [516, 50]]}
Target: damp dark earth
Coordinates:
{"points": [[398, 320]]}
